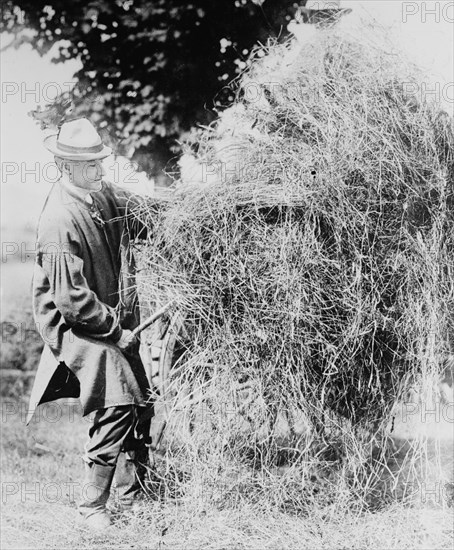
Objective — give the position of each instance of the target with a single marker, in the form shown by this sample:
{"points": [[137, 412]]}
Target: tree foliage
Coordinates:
{"points": [[151, 69]]}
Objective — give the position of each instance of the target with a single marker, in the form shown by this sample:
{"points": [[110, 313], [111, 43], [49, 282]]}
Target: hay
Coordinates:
{"points": [[311, 252]]}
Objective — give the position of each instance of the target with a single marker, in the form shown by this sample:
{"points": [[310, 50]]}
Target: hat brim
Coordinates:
{"points": [[50, 143]]}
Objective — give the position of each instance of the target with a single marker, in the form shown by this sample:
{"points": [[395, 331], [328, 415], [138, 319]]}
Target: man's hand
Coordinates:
{"points": [[127, 338]]}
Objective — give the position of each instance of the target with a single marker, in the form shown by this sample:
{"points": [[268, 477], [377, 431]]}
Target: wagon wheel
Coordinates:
{"points": [[167, 358], [175, 398], [162, 355]]}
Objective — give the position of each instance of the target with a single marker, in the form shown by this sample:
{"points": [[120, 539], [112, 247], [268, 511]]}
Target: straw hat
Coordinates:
{"points": [[77, 140]]}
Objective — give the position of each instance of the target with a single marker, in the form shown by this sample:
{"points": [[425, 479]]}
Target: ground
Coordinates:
{"points": [[41, 468]]}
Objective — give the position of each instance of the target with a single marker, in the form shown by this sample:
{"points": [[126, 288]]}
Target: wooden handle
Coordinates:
{"points": [[152, 318]]}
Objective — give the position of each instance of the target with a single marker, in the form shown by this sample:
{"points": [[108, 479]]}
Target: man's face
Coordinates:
{"points": [[87, 174]]}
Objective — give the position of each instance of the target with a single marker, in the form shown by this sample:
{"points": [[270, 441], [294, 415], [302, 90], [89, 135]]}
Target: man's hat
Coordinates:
{"points": [[77, 140]]}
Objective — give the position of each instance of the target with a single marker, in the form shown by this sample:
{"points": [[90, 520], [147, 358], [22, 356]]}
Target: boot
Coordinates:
{"points": [[129, 480], [95, 493]]}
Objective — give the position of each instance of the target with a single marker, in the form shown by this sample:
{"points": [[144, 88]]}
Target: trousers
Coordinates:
{"points": [[116, 429], [116, 451]]}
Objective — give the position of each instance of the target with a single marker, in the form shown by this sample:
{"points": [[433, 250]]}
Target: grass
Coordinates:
{"points": [[44, 459], [21, 344]]}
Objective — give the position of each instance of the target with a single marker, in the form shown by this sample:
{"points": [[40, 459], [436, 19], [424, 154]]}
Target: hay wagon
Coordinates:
{"points": [[162, 351]]}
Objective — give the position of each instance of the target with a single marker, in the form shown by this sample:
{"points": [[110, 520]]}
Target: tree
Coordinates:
{"points": [[151, 69]]}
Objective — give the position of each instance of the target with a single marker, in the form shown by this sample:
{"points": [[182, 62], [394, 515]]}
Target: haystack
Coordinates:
{"points": [[310, 248]]}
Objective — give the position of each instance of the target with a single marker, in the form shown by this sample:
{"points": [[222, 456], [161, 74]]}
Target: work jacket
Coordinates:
{"points": [[83, 295]]}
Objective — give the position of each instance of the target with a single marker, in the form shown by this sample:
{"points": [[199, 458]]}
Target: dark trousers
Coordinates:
{"points": [[115, 430], [116, 451]]}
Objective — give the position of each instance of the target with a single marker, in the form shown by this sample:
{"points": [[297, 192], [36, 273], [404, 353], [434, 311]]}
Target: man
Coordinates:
{"points": [[85, 307]]}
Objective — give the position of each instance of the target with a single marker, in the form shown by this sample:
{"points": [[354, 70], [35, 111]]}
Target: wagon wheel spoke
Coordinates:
{"points": [[175, 395]]}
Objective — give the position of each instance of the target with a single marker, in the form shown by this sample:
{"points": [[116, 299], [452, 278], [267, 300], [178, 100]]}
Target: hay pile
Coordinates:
{"points": [[312, 252]]}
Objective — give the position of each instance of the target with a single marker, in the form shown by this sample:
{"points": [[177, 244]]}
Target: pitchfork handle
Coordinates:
{"points": [[153, 318]]}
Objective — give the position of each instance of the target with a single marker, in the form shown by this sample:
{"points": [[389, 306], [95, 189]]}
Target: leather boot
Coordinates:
{"points": [[95, 493], [129, 480]]}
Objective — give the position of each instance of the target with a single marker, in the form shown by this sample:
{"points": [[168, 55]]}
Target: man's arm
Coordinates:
{"points": [[139, 210], [59, 257], [79, 305]]}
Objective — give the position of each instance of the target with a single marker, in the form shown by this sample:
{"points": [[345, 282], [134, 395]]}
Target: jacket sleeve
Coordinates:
{"points": [[78, 304], [138, 210]]}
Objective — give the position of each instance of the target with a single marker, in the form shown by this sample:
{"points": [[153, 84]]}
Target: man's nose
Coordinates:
{"points": [[101, 170]]}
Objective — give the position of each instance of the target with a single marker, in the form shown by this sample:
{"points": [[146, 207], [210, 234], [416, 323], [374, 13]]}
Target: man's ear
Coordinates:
{"points": [[59, 162], [64, 166]]}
